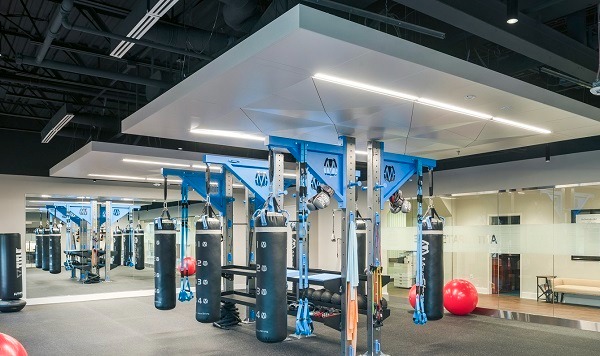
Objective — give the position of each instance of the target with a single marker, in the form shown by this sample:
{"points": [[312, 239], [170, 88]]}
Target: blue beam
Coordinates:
{"points": [[252, 173], [397, 169], [325, 162], [197, 181]]}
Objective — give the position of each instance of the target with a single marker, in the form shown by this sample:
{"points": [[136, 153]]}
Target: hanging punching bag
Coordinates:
{"points": [[271, 277], [165, 294], [54, 251], [39, 236], [127, 246], [11, 273], [117, 246], [361, 247], [433, 267], [46, 249], [138, 244], [208, 271]]}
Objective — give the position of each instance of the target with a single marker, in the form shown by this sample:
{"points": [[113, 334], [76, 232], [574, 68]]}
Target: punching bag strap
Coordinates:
{"points": [[165, 210]]}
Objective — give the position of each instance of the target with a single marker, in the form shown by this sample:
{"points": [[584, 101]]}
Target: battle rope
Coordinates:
{"points": [[351, 288], [185, 291], [304, 324], [419, 316]]}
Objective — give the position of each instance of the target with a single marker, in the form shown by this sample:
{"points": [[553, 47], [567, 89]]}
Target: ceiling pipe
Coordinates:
{"points": [[80, 119], [61, 88], [63, 12], [93, 72], [114, 36]]}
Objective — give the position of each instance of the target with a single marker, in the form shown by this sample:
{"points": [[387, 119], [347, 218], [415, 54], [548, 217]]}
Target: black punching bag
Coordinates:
{"points": [[361, 246], [138, 244], [39, 236], [165, 294], [11, 273], [46, 249], [54, 251], [127, 246], [433, 269], [117, 246], [208, 270], [271, 278]]}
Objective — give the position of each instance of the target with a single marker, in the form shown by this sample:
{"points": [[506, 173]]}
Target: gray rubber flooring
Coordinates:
{"points": [[43, 284], [133, 327]]}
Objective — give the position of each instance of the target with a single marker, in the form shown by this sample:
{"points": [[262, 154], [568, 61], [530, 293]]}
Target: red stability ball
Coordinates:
{"points": [[412, 295], [188, 268], [9, 346], [460, 297]]}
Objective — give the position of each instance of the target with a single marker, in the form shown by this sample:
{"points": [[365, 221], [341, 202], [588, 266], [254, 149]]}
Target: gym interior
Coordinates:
{"points": [[289, 178]]}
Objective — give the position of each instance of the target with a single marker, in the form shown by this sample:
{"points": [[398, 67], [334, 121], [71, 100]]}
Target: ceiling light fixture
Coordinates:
{"points": [[203, 167], [57, 202], [157, 163], [56, 123], [115, 176], [512, 11], [428, 102], [150, 18], [290, 175], [521, 125], [224, 133], [162, 180], [361, 153]]}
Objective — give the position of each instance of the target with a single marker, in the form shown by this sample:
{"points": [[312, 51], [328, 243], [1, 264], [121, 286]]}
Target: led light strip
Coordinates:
{"points": [[224, 133], [156, 163], [425, 101]]}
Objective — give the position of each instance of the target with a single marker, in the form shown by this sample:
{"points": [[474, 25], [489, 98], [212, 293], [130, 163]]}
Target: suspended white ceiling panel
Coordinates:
{"points": [[111, 161], [265, 86]]}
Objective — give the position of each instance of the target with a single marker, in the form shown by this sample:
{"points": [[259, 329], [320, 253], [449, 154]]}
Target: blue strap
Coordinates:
{"points": [[185, 293]]}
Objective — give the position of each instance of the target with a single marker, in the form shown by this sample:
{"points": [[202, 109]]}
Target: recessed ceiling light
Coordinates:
{"points": [[46, 196], [470, 97], [156, 184], [156, 163], [224, 133], [426, 101]]}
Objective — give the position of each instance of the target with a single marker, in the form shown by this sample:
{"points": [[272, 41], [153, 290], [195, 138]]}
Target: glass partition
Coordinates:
{"points": [[534, 251]]}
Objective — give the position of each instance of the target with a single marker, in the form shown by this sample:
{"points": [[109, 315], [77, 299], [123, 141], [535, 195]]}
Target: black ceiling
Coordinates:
{"points": [[78, 69]]}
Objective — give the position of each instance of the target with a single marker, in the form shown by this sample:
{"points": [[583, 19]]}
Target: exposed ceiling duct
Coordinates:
{"points": [[240, 15], [63, 12], [92, 72]]}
